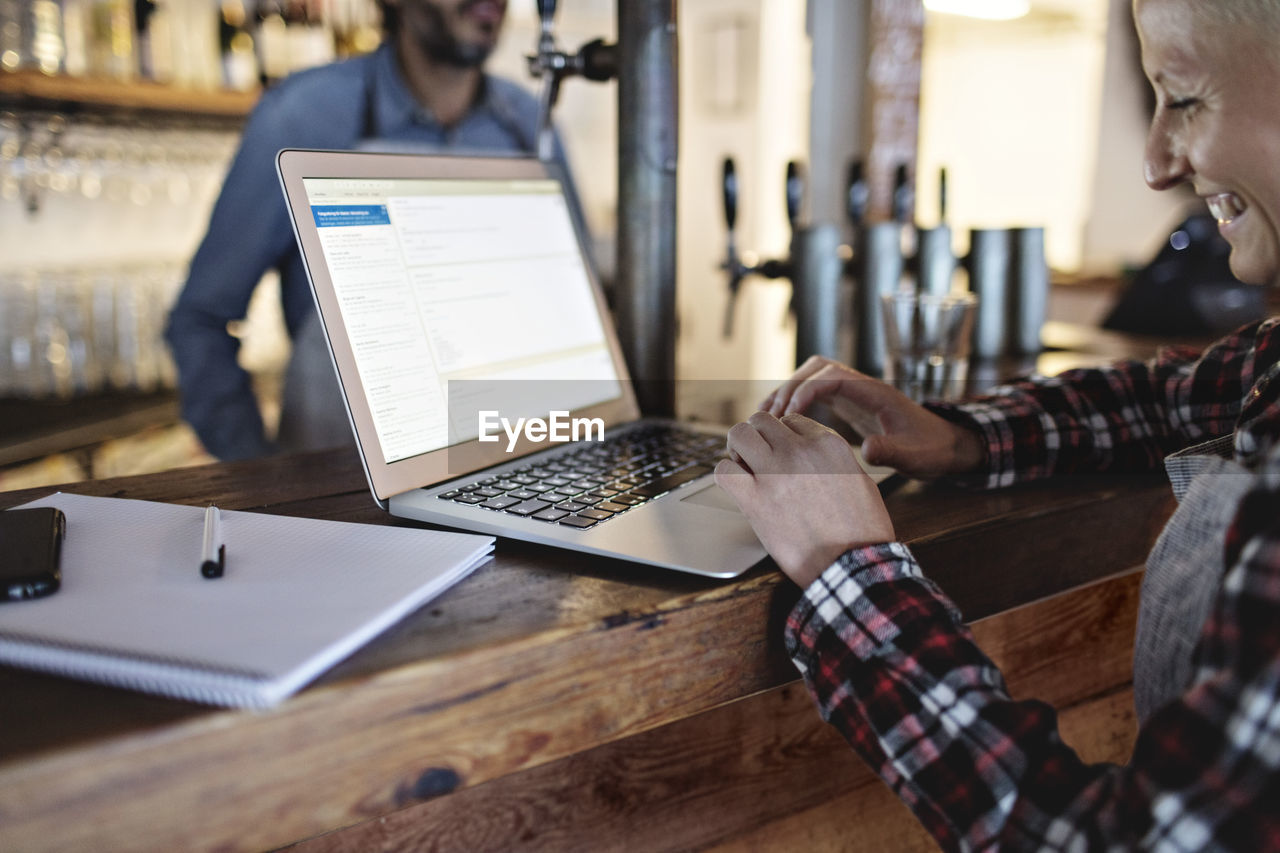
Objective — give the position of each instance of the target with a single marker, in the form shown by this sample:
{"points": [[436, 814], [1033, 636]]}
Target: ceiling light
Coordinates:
{"points": [[991, 10]]}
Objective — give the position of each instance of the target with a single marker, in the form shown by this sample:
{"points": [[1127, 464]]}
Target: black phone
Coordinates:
{"points": [[30, 552]]}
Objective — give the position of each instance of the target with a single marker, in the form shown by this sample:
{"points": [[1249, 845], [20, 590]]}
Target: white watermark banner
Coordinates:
{"points": [[558, 427]]}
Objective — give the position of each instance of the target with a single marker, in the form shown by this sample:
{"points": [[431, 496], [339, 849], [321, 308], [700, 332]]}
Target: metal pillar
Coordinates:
{"points": [[645, 289]]}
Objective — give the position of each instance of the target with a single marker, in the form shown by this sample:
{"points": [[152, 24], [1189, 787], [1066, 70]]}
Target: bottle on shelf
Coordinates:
{"points": [[110, 39], [47, 48], [321, 45], [31, 35], [11, 46], [272, 41], [75, 37], [197, 60], [309, 37], [296, 36], [356, 26], [155, 40], [239, 61]]}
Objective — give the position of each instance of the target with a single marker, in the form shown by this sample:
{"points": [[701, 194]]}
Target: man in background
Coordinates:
{"points": [[424, 89]]}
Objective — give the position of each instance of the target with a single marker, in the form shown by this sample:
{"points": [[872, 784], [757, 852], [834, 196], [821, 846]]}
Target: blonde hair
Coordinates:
{"points": [[1261, 17], [1257, 21]]}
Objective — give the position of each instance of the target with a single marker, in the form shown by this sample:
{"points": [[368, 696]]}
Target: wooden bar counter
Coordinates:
{"points": [[555, 701]]}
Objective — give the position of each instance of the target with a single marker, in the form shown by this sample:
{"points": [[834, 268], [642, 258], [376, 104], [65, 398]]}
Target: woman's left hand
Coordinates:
{"points": [[802, 489]]}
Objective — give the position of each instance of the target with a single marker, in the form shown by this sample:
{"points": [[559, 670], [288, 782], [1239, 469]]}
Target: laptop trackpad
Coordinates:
{"points": [[712, 496]]}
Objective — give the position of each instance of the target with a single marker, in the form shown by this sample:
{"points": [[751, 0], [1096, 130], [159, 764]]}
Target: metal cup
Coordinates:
{"points": [[935, 260], [880, 266], [1028, 291], [989, 252], [816, 276]]}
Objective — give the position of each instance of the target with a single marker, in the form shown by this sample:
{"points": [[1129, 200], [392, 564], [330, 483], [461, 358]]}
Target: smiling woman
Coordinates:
{"points": [[1216, 126], [886, 653]]}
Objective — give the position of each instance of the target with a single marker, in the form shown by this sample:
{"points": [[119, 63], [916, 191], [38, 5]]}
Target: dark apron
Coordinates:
{"points": [[1185, 570], [312, 413]]}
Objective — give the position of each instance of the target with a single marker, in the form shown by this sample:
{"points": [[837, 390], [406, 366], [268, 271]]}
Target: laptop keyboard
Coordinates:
{"points": [[597, 481]]}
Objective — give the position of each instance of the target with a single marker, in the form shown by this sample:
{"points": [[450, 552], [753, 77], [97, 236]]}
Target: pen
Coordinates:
{"points": [[214, 552]]}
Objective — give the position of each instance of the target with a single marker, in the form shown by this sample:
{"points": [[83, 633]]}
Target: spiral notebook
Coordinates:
{"points": [[298, 596]]}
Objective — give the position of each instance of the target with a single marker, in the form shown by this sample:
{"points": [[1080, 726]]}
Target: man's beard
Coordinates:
{"points": [[441, 45]]}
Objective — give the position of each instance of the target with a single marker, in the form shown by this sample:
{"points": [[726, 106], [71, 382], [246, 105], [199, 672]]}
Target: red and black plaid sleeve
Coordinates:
{"points": [[891, 666], [1126, 417]]}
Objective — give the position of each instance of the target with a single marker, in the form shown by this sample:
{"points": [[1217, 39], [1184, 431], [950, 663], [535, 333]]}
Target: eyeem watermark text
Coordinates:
{"points": [[557, 427]]}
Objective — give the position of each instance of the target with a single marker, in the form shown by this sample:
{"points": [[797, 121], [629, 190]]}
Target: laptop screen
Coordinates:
{"points": [[460, 287]]}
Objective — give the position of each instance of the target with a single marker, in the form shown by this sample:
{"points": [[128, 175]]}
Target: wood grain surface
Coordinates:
{"points": [[539, 661], [768, 764]]}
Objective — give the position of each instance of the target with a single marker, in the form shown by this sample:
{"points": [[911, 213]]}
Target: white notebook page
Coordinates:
{"points": [[297, 596]]}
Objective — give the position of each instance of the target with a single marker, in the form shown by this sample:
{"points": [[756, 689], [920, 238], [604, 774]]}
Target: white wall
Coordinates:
{"points": [[1041, 121], [1128, 220], [586, 112], [744, 93], [1011, 110]]}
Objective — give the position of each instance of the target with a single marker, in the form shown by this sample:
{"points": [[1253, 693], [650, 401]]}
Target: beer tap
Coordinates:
{"points": [[793, 194], [857, 197], [942, 194], [734, 264], [794, 189], [877, 259], [934, 263], [595, 60], [819, 265], [904, 200]]}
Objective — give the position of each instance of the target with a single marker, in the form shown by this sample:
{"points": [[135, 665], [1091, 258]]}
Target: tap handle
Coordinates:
{"points": [[731, 306], [598, 60], [547, 12], [902, 201], [857, 195], [730, 188], [942, 195], [737, 272], [732, 264], [794, 192], [546, 137]]}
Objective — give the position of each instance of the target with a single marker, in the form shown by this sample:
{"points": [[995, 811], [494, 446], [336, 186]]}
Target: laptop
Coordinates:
{"points": [[473, 345]]}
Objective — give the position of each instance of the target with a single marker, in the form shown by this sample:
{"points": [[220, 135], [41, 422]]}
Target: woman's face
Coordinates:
{"points": [[1217, 126]]}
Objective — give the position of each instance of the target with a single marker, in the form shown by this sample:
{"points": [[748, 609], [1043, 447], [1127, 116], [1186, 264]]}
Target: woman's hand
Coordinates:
{"points": [[801, 487], [897, 433]]}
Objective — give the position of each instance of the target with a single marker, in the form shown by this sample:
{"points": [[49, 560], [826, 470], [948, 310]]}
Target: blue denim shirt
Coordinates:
{"points": [[360, 102]]}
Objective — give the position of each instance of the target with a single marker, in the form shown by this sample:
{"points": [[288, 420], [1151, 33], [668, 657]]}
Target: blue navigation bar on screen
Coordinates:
{"points": [[335, 215]]}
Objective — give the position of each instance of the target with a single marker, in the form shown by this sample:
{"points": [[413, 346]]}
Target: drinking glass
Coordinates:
{"points": [[927, 339]]}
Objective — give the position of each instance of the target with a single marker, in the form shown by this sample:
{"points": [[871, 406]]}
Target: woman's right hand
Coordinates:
{"points": [[897, 433]]}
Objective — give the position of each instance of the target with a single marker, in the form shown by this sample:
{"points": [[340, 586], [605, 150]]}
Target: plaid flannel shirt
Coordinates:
{"points": [[892, 666]]}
